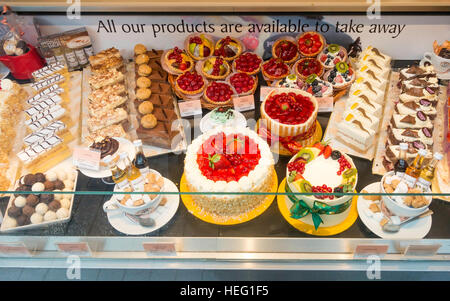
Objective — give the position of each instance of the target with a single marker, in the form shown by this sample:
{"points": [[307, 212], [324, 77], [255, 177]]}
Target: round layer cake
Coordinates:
{"points": [[319, 168], [228, 159]]}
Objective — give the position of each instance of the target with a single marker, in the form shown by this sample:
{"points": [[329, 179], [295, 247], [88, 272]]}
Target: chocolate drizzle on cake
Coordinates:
{"points": [[363, 112], [375, 64], [370, 72], [368, 85], [377, 52], [107, 146], [359, 124], [366, 100]]}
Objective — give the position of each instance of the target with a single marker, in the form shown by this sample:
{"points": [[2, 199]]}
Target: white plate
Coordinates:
{"points": [[104, 172], [413, 230], [162, 215], [238, 121]]}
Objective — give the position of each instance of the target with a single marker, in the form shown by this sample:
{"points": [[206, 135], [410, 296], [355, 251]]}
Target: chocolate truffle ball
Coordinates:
{"points": [[14, 211], [28, 210], [48, 186], [32, 200], [23, 220], [29, 180], [54, 206], [59, 184], [23, 188], [47, 198], [39, 177]]}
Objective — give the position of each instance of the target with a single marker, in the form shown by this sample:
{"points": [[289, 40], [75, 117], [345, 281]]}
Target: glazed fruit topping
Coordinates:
{"points": [[286, 50], [289, 108], [242, 82], [248, 62], [276, 67], [190, 81], [216, 67], [324, 189], [219, 92], [224, 49], [309, 43], [228, 158], [309, 66], [297, 165], [196, 40], [343, 165]]}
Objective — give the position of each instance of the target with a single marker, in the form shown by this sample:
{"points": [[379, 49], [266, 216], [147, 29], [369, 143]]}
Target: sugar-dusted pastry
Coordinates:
{"points": [[99, 94], [142, 59], [143, 82], [106, 119], [143, 93], [149, 121], [104, 55], [115, 130], [139, 49], [110, 77], [145, 107], [106, 104], [144, 70]]}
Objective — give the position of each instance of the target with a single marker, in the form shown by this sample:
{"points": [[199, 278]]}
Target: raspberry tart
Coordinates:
{"points": [[320, 169], [243, 83], [190, 83], [228, 159], [340, 77], [332, 55], [317, 87], [199, 47], [229, 48], [215, 68], [307, 66], [310, 43], [274, 69], [248, 62], [177, 61], [285, 50], [218, 93]]}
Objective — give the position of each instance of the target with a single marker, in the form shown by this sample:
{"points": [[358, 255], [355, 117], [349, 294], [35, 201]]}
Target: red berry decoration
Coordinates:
{"points": [[289, 108], [248, 62], [242, 82]]}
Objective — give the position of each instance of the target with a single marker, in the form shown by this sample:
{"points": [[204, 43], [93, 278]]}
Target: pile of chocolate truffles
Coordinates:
{"points": [[28, 209]]}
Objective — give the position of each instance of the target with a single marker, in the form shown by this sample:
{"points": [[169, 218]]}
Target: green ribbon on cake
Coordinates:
{"points": [[301, 209]]}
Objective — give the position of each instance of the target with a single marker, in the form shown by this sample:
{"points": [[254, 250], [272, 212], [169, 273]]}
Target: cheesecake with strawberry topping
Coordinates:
{"points": [[177, 61], [228, 159], [285, 50], [199, 47], [310, 43], [229, 48], [275, 69], [190, 83], [248, 62]]}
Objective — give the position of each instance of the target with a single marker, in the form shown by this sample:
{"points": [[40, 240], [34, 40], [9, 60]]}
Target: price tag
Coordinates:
{"points": [[16, 249], [84, 157], [366, 250], [264, 91], [160, 248], [326, 104], [190, 107], [244, 103], [74, 248], [422, 250]]}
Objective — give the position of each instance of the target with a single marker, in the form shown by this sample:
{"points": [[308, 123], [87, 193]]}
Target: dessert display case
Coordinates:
{"points": [[268, 149]]}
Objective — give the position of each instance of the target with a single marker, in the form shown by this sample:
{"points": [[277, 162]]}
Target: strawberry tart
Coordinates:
{"points": [[218, 93], [310, 44], [285, 50], [248, 62], [243, 83], [275, 69], [307, 66], [228, 159], [190, 83]]}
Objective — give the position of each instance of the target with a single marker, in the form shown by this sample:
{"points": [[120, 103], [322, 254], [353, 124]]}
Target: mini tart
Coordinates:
{"points": [[285, 50], [199, 47], [274, 69], [243, 83], [229, 48], [190, 83], [310, 43], [215, 68], [218, 93], [307, 66], [248, 62], [289, 112], [331, 55], [317, 87], [178, 61], [290, 81], [340, 77]]}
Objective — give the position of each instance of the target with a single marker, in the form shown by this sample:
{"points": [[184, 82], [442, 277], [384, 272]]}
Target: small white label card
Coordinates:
{"points": [[14, 249], [422, 250], [190, 107], [264, 91], [160, 248], [74, 248], [84, 157], [244, 103], [326, 104], [367, 250]]}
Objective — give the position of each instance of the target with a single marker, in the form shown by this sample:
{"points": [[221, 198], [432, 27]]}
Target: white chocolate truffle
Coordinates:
{"points": [[41, 208], [68, 184], [62, 213], [62, 175], [38, 187], [49, 216], [9, 223], [51, 176], [20, 201], [65, 203], [36, 218], [67, 196], [58, 196]]}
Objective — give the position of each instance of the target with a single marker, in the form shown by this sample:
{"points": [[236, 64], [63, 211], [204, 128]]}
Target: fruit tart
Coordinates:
{"points": [[290, 81], [307, 66], [340, 77], [248, 62], [274, 69], [332, 55], [243, 83], [199, 47], [229, 48], [218, 93], [190, 83], [285, 50], [310, 43], [317, 87], [177, 61], [215, 68]]}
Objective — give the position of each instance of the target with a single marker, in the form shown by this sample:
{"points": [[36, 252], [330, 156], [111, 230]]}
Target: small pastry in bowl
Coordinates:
{"points": [[340, 77]]}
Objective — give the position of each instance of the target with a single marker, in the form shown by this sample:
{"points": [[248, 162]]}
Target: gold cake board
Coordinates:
{"points": [[309, 229], [198, 212]]}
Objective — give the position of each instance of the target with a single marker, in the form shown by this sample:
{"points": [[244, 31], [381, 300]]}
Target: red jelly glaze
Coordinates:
{"points": [[237, 155], [190, 81], [289, 108], [219, 92], [286, 50], [276, 67], [309, 43], [248, 62], [306, 67], [242, 82]]}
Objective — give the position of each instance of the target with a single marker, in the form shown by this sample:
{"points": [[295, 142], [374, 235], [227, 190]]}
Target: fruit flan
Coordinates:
{"points": [[248, 62], [310, 43], [199, 47], [190, 83], [332, 55], [275, 69], [177, 61], [320, 169], [243, 83], [218, 93], [229, 48], [228, 159], [215, 68], [307, 66], [285, 50], [340, 77]]}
